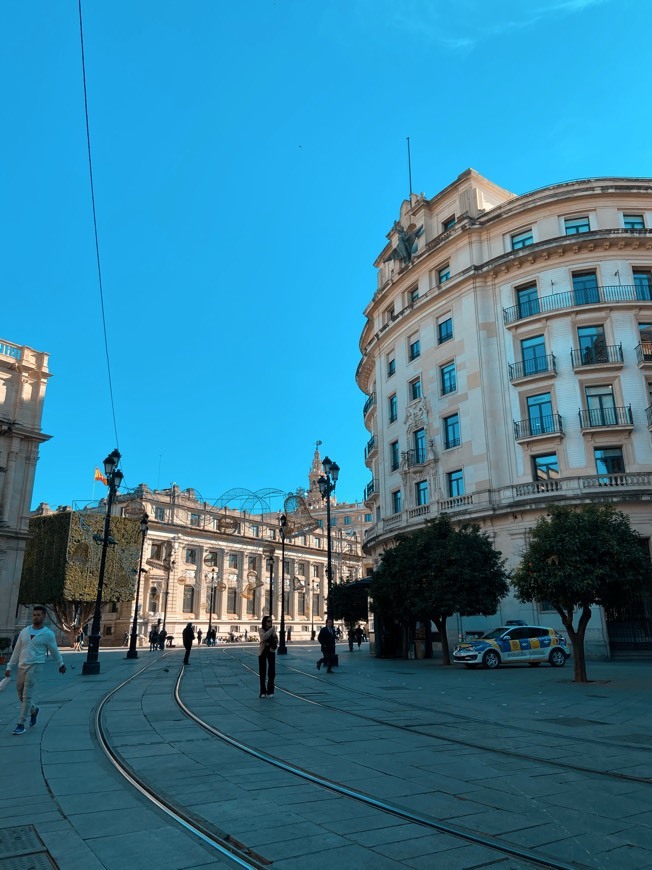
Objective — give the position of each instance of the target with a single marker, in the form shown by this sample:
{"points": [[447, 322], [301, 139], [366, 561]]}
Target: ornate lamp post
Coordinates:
{"points": [[282, 648], [327, 483], [270, 565], [113, 478], [132, 652], [170, 563], [212, 582]]}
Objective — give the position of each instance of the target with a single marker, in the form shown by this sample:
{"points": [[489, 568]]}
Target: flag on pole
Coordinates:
{"points": [[100, 476]]}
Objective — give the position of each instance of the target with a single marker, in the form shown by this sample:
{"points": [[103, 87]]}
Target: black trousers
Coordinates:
{"points": [[267, 666], [186, 658]]}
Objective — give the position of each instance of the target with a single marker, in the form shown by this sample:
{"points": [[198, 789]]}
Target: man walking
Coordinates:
{"points": [[199, 635], [33, 643], [326, 638], [188, 636]]}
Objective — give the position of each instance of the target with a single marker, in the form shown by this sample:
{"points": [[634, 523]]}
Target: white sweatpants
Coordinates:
{"points": [[27, 680]]}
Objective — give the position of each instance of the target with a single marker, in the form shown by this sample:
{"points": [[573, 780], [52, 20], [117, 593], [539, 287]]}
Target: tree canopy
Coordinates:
{"points": [[578, 557], [439, 570], [350, 602]]}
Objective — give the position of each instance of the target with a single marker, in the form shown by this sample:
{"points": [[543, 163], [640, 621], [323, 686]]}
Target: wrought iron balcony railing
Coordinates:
{"points": [[371, 401], [371, 446], [370, 488], [546, 425], [597, 355], [572, 298], [597, 417], [644, 352], [416, 456], [535, 366]]}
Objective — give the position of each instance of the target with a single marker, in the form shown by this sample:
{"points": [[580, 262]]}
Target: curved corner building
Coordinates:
{"points": [[507, 364]]}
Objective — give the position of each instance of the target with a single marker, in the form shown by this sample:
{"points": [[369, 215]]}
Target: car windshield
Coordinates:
{"points": [[497, 632]]}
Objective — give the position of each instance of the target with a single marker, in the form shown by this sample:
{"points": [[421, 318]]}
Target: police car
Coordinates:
{"points": [[522, 643]]}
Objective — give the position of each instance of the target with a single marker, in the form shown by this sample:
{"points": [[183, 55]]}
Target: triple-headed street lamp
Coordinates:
{"points": [[132, 652], [212, 581], [327, 483], [282, 648], [113, 479], [270, 565]]}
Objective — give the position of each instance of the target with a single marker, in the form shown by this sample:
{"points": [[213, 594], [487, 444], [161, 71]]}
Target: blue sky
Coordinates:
{"points": [[249, 160]]}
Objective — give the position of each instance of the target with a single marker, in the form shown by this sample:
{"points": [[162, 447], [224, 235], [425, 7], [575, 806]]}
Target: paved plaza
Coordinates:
{"points": [[508, 753]]}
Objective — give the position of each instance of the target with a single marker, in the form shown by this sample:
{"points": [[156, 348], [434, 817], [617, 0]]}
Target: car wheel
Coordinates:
{"points": [[491, 659], [557, 658], [470, 666], [534, 664]]}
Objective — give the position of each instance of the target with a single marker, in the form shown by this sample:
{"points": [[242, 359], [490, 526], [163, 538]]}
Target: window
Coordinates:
{"points": [[419, 441], [643, 284], [609, 460], [210, 559], [195, 519], [232, 599], [414, 295], [156, 551], [191, 556], [233, 560], [315, 604], [415, 389], [533, 352], [448, 379], [574, 226], [188, 599], [448, 224], [393, 408], [367, 518], [255, 530], [539, 409], [601, 405], [250, 603], [315, 570], [455, 481], [444, 330], [421, 492], [585, 288], [545, 467], [645, 331], [393, 455], [252, 563], [522, 239], [301, 569], [443, 274], [414, 347], [593, 345], [633, 222], [301, 603], [527, 299], [451, 431], [347, 521], [397, 502], [389, 314], [159, 514], [391, 366]]}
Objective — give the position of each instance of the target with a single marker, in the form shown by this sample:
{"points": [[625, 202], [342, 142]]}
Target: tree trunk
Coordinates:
{"points": [[428, 643], [576, 638], [440, 622]]}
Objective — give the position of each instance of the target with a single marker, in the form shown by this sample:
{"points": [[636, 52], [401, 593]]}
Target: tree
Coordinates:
{"points": [[580, 557], [440, 570], [61, 565], [350, 602]]}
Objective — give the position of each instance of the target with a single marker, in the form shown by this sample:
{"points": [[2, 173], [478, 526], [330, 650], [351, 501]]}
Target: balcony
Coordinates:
{"points": [[648, 414], [370, 448], [528, 368], [459, 501], [599, 418], [551, 424], [368, 405], [644, 352], [414, 457], [608, 294], [370, 488], [598, 355]]}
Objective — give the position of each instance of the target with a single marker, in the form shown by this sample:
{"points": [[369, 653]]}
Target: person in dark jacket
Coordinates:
{"points": [[326, 638], [161, 638], [188, 636], [199, 636], [267, 656]]}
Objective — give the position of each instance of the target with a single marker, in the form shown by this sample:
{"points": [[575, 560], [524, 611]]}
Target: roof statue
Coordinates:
{"points": [[406, 243]]}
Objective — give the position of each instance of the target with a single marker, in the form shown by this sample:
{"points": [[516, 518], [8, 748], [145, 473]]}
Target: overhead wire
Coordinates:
{"points": [[97, 243]]}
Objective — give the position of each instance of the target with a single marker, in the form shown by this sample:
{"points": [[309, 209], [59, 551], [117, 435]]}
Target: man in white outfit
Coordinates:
{"points": [[33, 643]]}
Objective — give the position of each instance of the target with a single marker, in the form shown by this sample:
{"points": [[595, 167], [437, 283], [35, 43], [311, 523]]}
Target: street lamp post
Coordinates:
{"points": [[282, 648], [327, 483], [212, 603], [170, 565], [132, 652], [113, 478], [270, 565]]}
